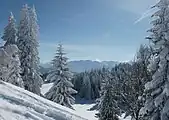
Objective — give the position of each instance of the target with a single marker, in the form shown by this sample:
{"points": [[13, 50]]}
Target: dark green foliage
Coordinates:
{"points": [[93, 85]]}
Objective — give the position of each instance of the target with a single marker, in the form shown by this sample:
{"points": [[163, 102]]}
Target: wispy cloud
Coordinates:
{"points": [[145, 15], [136, 6]]}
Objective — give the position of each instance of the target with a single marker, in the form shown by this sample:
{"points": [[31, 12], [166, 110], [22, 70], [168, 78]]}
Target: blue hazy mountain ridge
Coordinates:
{"points": [[81, 65]]}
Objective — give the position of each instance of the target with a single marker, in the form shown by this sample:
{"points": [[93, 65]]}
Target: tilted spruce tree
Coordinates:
{"points": [[27, 43], [157, 90], [13, 66], [62, 90], [4, 61]]}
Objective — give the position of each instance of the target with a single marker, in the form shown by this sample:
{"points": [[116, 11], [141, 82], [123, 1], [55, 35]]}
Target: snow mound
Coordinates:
{"points": [[45, 88], [19, 104]]}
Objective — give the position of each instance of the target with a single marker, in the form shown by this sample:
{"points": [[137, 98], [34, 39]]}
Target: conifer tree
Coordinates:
{"points": [[9, 65], [13, 66], [9, 36], [62, 90], [157, 90], [27, 43], [34, 31]]}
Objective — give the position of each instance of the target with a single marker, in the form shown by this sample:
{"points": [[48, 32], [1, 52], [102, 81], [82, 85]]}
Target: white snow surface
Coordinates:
{"points": [[83, 110], [45, 88], [19, 104]]}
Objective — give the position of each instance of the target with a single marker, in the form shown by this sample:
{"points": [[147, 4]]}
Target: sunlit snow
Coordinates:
{"points": [[19, 104]]}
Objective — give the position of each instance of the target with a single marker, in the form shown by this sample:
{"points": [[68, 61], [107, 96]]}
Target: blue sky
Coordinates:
{"points": [[88, 29]]}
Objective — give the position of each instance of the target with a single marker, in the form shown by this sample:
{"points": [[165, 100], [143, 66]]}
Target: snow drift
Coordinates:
{"points": [[19, 104]]}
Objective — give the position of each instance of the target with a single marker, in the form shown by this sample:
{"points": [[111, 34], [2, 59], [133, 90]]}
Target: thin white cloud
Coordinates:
{"points": [[137, 7], [145, 15]]}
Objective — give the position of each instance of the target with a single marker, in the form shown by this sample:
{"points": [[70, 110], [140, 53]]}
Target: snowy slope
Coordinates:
{"points": [[19, 104]]}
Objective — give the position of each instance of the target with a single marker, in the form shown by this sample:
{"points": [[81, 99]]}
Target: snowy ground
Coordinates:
{"points": [[90, 115], [81, 109], [19, 104]]}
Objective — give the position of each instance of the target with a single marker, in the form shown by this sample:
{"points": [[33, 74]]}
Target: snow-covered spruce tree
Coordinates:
{"points": [[35, 60], [10, 31], [108, 107], [134, 87], [4, 62], [9, 64], [143, 59], [121, 85], [108, 98], [34, 37], [62, 90], [157, 101], [27, 43]]}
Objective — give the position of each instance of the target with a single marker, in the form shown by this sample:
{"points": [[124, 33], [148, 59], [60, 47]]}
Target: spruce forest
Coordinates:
{"points": [[137, 89]]}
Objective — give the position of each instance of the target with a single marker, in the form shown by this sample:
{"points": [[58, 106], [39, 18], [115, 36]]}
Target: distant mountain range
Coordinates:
{"points": [[81, 65]]}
